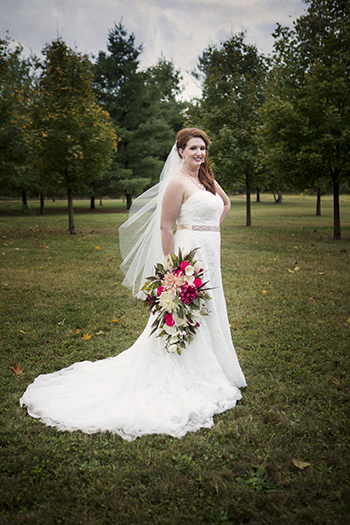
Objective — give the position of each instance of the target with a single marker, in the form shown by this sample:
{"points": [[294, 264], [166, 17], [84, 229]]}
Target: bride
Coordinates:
{"points": [[146, 390]]}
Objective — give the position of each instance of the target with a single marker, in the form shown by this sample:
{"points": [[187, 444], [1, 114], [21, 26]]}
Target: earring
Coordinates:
{"points": [[183, 160]]}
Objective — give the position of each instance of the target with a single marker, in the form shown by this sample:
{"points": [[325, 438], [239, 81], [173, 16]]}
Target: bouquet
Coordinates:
{"points": [[176, 295]]}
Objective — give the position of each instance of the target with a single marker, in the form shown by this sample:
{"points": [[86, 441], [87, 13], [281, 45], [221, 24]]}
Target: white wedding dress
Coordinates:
{"points": [[145, 390]]}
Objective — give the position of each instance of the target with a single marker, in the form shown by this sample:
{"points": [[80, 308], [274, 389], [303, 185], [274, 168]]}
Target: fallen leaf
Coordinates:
{"points": [[297, 268], [313, 262], [275, 258], [5, 244], [17, 369], [320, 273], [263, 291], [299, 463], [115, 320], [290, 271], [342, 251], [100, 332], [312, 297], [111, 260], [97, 247], [86, 337], [77, 331], [23, 332]]}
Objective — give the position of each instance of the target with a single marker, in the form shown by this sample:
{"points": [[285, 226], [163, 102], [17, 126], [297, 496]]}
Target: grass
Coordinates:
{"points": [[287, 288]]}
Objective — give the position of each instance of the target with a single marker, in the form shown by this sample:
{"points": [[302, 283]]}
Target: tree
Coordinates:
{"points": [[73, 138], [305, 133], [233, 76], [144, 110], [15, 89]]}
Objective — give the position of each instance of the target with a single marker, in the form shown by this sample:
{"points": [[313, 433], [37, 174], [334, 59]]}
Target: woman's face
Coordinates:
{"points": [[194, 153]]}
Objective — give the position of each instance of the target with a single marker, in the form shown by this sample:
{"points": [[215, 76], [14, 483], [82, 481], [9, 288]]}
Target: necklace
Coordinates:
{"points": [[198, 184]]}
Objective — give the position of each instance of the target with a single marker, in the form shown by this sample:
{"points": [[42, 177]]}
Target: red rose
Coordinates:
{"points": [[160, 290], [169, 320], [197, 282], [184, 265]]}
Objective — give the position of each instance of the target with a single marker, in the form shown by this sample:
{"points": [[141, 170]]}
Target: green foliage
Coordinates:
{"points": [[305, 133], [15, 85], [233, 76], [144, 109]]}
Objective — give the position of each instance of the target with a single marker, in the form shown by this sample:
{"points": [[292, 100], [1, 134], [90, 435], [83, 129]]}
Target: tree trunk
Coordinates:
{"points": [[258, 189], [24, 200], [101, 201], [53, 198], [279, 200], [71, 226], [92, 203], [336, 210], [318, 203], [248, 211], [42, 206], [128, 201]]}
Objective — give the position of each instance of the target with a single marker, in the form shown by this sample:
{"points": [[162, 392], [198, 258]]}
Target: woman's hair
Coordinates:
{"points": [[205, 174]]}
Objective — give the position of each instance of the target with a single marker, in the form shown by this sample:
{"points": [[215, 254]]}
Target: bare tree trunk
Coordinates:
{"points": [[248, 207], [92, 203], [42, 204], [258, 189], [279, 200], [128, 201], [71, 226], [318, 203], [336, 209], [101, 201], [24, 200]]}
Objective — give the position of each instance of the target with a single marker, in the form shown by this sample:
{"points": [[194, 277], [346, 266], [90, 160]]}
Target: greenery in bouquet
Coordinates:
{"points": [[176, 295]]}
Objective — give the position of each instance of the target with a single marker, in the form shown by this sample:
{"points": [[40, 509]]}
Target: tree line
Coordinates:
{"points": [[280, 122]]}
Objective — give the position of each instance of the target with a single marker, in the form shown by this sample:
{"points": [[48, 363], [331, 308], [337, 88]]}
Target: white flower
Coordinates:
{"points": [[172, 349], [173, 339], [166, 301], [171, 330], [178, 320], [189, 279], [197, 266], [189, 270]]}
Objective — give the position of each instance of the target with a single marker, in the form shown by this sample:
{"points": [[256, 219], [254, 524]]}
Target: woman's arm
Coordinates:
{"points": [[227, 202], [171, 205]]}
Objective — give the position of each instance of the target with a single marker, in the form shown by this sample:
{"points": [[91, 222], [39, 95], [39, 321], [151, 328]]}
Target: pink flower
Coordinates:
{"points": [[184, 265], [179, 273], [160, 290], [197, 282], [169, 320], [188, 294]]}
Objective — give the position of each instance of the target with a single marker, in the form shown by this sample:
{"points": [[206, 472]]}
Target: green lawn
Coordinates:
{"points": [[287, 285]]}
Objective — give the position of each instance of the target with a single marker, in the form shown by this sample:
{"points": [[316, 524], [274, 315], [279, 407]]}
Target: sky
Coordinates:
{"points": [[177, 30]]}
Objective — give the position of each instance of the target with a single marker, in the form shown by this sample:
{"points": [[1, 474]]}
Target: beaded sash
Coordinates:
{"points": [[198, 227]]}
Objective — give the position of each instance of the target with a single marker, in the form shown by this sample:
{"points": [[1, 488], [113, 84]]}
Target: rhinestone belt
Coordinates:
{"points": [[198, 228]]}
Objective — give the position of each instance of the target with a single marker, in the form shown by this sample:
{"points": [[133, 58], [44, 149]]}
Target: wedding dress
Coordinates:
{"points": [[145, 390]]}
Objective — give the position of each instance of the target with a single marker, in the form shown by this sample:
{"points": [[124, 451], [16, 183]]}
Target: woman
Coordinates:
{"points": [[146, 390]]}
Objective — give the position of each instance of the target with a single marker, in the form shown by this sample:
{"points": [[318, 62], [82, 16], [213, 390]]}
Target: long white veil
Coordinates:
{"points": [[140, 236]]}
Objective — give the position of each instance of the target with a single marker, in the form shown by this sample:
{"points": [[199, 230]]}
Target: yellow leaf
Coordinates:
{"points": [[297, 268], [86, 337], [263, 291], [17, 369], [115, 320], [299, 463], [290, 271], [97, 247], [77, 331]]}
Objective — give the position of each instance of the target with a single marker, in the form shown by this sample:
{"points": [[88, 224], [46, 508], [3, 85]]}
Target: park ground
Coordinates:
{"points": [[281, 457]]}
